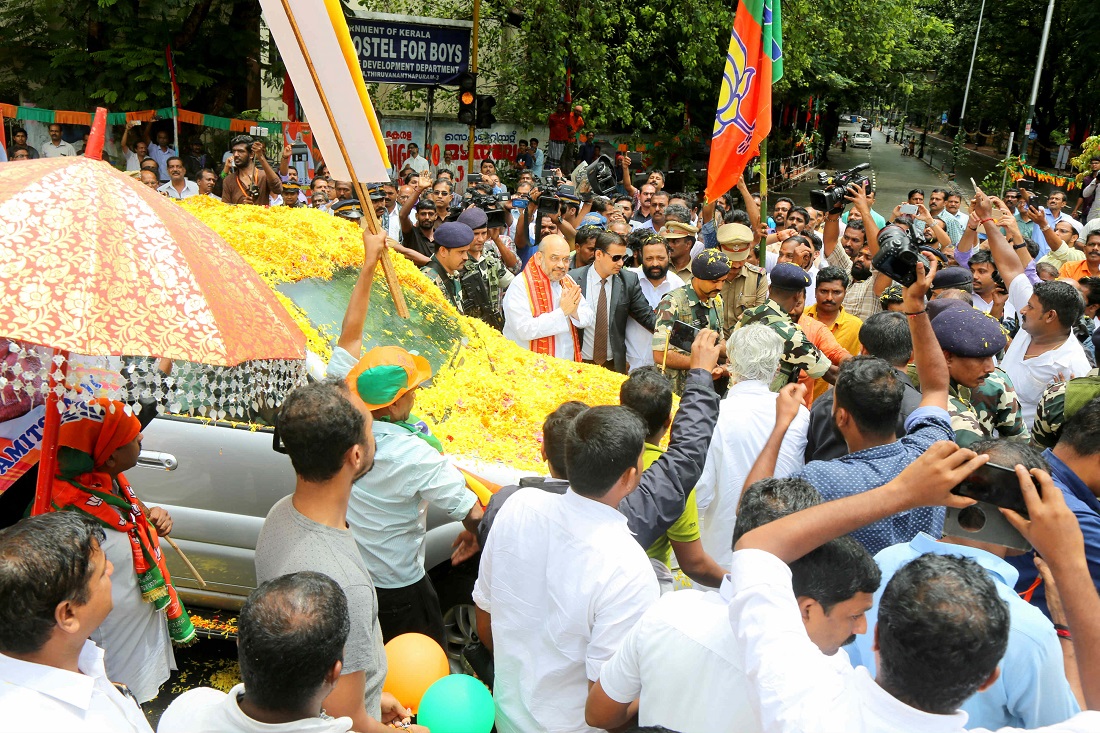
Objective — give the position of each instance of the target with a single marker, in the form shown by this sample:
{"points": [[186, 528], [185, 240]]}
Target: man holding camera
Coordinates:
{"points": [[697, 306], [248, 176], [452, 249]]}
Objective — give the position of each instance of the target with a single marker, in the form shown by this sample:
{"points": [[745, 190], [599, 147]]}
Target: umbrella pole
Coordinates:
{"points": [[47, 462], [364, 202]]}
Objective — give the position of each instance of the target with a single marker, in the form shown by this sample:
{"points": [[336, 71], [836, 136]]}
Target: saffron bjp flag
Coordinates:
{"points": [[744, 118]]}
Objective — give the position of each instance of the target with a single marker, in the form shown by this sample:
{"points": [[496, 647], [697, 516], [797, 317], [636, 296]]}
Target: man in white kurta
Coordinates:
{"points": [[543, 307]]}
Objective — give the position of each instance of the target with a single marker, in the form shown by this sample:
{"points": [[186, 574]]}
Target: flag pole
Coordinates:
{"points": [[762, 247], [373, 224], [175, 120]]}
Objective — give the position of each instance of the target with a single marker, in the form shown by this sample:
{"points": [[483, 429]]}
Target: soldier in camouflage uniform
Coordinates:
{"points": [[452, 249], [788, 296], [698, 304], [1059, 403], [981, 400], [484, 276], [747, 285]]}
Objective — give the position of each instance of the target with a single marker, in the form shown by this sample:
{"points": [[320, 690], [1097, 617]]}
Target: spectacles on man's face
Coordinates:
{"points": [[615, 258]]}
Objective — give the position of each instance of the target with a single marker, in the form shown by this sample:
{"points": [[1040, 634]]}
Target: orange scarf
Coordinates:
{"points": [[85, 445], [541, 298]]}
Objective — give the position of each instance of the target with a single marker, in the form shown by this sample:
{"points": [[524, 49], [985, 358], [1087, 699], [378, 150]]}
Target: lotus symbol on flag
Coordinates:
{"points": [[736, 83]]}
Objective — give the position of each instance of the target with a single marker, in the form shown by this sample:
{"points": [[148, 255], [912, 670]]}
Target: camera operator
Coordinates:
{"points": [[484, 277], [861, 238], [560, 213], [244, 182]]}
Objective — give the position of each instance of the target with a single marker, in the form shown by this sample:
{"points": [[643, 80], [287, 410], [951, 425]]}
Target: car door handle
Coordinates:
{"points": [[156, 459]]}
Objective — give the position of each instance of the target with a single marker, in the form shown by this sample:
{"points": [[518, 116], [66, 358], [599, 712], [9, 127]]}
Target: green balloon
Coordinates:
{"points": [[457, 703]]}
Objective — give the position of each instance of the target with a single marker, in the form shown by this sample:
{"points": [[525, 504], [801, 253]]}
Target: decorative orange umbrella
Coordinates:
{"points": [[94, 263]]}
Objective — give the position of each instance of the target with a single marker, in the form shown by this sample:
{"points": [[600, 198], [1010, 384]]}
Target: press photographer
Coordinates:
{"points": [[249, 177]]}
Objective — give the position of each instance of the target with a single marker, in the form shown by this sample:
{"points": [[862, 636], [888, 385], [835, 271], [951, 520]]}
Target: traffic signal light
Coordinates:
{"points": [[467, 98], [485, 116]]}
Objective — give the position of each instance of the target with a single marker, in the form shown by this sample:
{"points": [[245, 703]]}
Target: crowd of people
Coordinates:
{"points": [[838, 388]]}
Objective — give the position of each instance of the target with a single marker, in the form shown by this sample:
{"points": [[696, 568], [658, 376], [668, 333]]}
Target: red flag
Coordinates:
{"points": [[172, 74], [288, 98], [753, 63]]}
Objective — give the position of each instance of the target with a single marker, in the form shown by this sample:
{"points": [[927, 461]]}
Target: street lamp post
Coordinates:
{"points": [[1035, 82], [959, 136]]}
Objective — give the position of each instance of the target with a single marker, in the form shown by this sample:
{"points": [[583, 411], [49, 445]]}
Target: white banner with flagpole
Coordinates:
{"points": [[324, 68]]}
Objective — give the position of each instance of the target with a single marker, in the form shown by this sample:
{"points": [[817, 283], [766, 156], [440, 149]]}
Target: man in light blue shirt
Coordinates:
{"points": [[540, 158], [388, 507], [1032, 690]]}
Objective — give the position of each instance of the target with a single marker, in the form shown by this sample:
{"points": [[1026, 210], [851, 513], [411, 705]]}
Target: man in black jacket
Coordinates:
{"points": [[614, 294]]}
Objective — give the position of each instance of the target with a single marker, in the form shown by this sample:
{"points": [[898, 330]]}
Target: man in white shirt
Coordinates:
{"points": [[1045, 349], [56, 147], [543, 307], [55, 581], [290, 646], [942, 628], [655, 280], [414, 161], [562, 579], [678, 660], [745, 420], [178, 187]]}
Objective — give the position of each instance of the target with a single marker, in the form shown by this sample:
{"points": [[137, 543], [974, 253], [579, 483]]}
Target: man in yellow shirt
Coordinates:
{"points": [[829, 290], [649, 393]]}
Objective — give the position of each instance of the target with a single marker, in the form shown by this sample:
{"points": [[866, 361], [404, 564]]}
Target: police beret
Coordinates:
{"points": [[940, 305], [952, 277], [787, 276], [474, 218], [968, 332], [710, 264], [454, 234]]}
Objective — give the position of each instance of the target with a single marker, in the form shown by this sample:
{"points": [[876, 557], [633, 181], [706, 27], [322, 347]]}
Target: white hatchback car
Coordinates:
{"points": [[861, 140]]}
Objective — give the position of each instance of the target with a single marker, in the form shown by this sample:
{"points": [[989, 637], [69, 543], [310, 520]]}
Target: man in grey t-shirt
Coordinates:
{"points": [[330, 444], [291, 542]]}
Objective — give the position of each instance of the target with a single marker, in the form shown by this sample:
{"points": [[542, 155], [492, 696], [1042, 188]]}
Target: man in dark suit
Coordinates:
{"points": [[614, 294]]}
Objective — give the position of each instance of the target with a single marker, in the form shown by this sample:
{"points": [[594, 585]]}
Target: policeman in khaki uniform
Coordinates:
{"points": [[699, 305], [452, 249], [787, 298], [981, 399], [747, 285]]}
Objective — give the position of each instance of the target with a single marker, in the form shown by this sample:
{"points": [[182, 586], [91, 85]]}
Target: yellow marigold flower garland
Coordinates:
{"points": [[488, 401]]}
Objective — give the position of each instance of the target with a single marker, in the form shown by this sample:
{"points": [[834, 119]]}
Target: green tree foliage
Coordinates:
{"points": [[72, 54], [1008, 48]]}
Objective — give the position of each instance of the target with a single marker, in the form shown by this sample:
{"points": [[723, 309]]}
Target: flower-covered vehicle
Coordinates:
{"points": [[217, 473]]}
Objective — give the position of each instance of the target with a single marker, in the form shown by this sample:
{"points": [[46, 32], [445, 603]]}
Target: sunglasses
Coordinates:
{"points": [[615, 258]]}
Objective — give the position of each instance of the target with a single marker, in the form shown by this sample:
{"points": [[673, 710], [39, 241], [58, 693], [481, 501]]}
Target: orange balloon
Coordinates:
{"points": [[414, 662]]}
